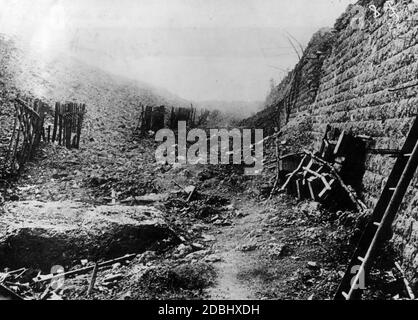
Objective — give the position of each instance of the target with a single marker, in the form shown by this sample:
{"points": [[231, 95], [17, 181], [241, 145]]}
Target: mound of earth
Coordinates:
{"points": [[41, 235]]}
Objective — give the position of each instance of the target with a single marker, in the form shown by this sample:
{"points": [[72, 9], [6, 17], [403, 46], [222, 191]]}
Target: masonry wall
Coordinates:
{"points": [[353, 94]]}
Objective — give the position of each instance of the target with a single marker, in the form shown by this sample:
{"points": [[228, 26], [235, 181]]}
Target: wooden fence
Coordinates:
{"points": [[68, 121], [29, 131], [156, 118]]}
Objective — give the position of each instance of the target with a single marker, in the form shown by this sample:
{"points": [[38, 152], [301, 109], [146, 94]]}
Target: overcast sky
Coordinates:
{"points": [[197, 49]]}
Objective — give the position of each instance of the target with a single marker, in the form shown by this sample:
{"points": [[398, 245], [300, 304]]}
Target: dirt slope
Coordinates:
{"points": [[112, 101]]}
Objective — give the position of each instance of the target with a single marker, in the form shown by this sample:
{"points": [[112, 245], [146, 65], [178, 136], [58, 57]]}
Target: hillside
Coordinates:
{"points": [[60, 77]]}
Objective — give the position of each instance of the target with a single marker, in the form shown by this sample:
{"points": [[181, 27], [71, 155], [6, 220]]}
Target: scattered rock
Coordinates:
{"points": [[146, 257], [313, 233], [240, 214], [183, 250], [313, 265], [126, 296], [276, 250], [230, 207], [247, 247], [208, 238], [197, 246], [197, 255], [310, 208], [206, 211], [213, 258], [198, 227]]}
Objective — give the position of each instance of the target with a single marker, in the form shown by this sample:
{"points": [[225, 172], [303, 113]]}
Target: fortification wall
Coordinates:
{"points": [[354, 94], [354, 83]]}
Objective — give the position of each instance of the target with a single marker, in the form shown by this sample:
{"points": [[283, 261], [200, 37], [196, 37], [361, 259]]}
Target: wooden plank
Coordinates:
{"points": [[9, 294], [312, 181], [9, 150], [80, 123], [299, 188], [28, 108], [353, 197], [60, 123], [293, 173], [326, 189], [54, 133], [69, 125], [340, 143]]}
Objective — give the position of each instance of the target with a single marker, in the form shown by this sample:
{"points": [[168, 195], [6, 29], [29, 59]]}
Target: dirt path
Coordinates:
{"points": [[272, 252], [233, 261], [239, 249]]}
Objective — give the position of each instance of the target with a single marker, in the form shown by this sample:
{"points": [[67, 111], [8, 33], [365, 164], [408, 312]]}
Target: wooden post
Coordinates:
{"points": [[9, 151], [93, 279], [74, 142], [43, 134], [172, 116], [59, 123], [276, 144], [79, 123], [54, 133], [276, 182], [63, 123], [69, 125]]}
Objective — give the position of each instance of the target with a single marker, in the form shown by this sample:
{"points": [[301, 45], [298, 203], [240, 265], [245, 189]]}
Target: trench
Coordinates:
{"points": [[37, 249]]}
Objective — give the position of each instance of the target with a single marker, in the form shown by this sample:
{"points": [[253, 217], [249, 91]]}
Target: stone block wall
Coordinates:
{"points": [[354, 94]]}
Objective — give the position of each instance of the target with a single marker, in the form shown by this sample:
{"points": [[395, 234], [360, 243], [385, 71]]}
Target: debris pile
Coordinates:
{"points": [[330, 176], [24, 284]]}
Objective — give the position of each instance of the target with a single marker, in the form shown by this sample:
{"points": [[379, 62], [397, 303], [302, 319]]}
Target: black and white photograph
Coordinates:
{"points": [[208, 157]]}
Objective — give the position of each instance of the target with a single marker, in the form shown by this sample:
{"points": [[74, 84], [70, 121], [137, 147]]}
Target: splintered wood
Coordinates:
{"points": [[321, 176]]}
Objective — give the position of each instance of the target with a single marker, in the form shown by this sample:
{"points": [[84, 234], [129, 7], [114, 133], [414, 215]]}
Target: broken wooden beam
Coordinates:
{"points": [[93, 279], [292, 175], [339, 146], [193, 188], [394, 152], [83, 270], [9, 293], [320, 176], [359, 204], [311, 181], [299, 188], [326, 189]]}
